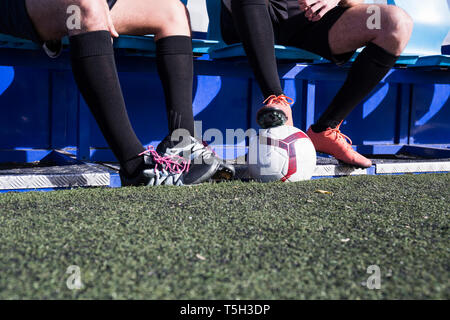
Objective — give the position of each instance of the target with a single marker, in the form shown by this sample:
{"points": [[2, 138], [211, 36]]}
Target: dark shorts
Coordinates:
{"points": [[15, 21], [292, 28]]}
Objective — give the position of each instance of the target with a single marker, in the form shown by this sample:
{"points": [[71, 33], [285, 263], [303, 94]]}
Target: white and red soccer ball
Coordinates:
{"points": [[282, 153]]}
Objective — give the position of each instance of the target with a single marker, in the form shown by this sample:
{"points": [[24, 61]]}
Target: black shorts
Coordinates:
{"points": [[15, 21], [292, 28]]}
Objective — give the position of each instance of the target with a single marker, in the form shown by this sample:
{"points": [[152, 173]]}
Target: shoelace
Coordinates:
{"points": [[279, 99], [173, 164], [205, 152], [340, 135], [198, 148]]}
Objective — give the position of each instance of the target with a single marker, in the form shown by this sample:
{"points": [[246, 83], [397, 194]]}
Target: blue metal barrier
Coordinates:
{"points": [[410, 106]]}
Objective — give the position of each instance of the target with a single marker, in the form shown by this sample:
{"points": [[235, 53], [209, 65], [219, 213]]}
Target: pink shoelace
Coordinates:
{"points": [[207, 146], [173, 164]]}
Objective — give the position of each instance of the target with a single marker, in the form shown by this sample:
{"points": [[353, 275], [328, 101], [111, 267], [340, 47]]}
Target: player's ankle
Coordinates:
{"points": [[324, 126]]}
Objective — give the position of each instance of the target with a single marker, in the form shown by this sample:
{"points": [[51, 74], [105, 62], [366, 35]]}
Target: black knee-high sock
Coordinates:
{"points": [[254, 25], [94, 69], [174, 62], [369, 68]]}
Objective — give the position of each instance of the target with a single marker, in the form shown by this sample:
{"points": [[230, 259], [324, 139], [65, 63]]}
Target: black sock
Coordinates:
{"points": [[254, 25], [94, 69], [175, 65], [369, 68]]}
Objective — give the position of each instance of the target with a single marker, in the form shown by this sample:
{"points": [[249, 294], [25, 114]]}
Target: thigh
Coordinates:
{"points": [[50, 17], [141, 17], [15, 21], [350, 31], [298, 31], [228, 30]]}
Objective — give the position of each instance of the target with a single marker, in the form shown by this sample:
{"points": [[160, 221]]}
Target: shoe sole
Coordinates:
{"points": [[270, 118], [352, 165], [223, 174], [343, 162], [207, 176]]}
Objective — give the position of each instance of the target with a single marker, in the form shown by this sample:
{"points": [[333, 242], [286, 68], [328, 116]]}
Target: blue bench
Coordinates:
{"points": [[145, 45], [424, 49]]}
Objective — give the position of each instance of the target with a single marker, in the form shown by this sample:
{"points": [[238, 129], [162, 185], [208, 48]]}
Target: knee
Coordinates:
{"points": [[399, 26], [175, 19], [91, 15]]}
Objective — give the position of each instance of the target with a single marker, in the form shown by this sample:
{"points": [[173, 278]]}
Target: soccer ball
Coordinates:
{"points": [[282, 153]]}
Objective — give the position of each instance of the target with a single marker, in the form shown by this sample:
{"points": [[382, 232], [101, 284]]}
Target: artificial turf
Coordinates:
{"points": [[231, 240]]}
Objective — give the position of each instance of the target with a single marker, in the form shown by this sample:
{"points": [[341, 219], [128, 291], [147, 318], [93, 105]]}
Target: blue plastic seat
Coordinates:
{"points": [[10, 42], [145, 45], [129, 45], [438, 61], [431, 19]]}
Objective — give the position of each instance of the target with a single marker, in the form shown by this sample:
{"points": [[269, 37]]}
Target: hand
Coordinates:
{"points": [[315, 9], [109, 21], [350, 3]]}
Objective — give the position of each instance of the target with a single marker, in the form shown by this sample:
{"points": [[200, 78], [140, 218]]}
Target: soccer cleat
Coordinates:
{"points": [[276, 112], [337, 144], [226, 171], [168, 170], [197, 152]]}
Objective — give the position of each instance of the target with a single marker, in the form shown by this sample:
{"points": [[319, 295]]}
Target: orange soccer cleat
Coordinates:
{"points": [[276, 112], [337, 144]]}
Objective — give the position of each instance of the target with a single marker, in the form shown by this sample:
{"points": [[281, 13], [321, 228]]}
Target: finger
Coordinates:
{"points": [[112, 29], [109, 21], [114, 32], [306, 3], [311, 12], [320, 14], [304, 8], [309, 3]]}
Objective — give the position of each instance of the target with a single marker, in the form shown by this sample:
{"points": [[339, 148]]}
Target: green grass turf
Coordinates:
{"points": [[258, 241]]}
